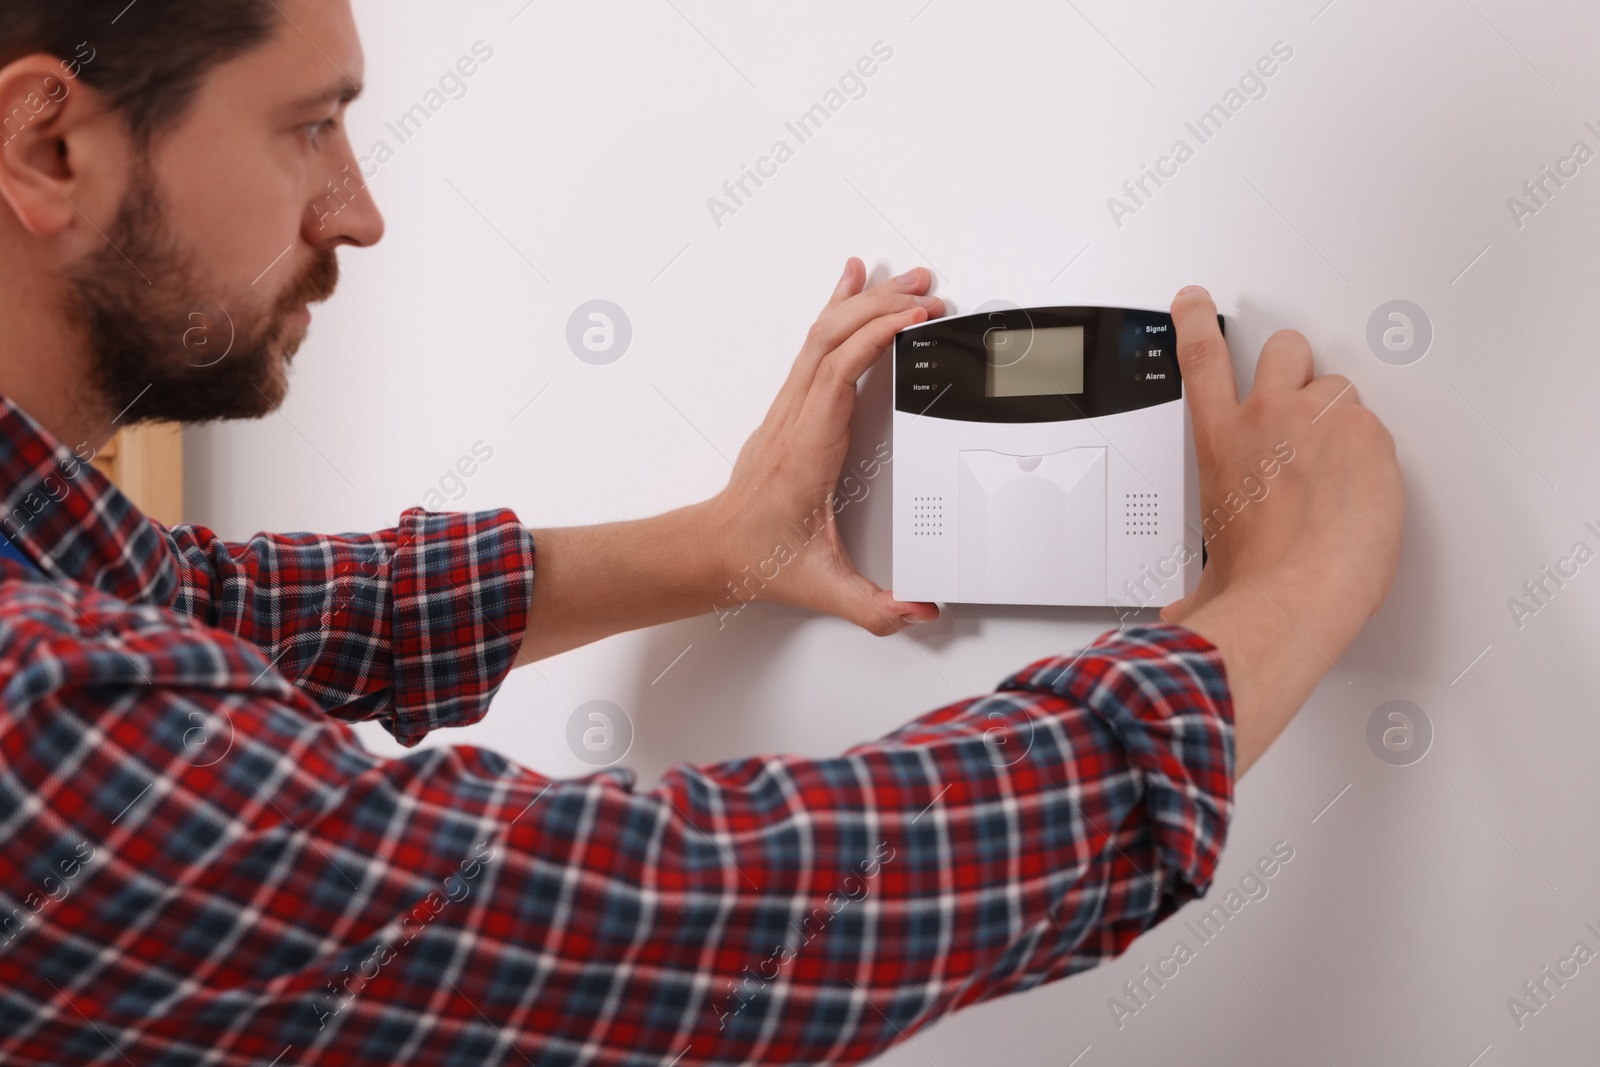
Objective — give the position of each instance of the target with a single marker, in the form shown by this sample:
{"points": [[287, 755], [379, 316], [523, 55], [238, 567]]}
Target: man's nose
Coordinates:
{"points": [[344, 211]]}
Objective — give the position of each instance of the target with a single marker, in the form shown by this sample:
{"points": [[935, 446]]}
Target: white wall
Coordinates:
{"points": [[1378, 166]]}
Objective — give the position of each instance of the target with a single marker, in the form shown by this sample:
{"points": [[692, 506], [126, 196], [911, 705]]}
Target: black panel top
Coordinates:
{"points": [[975, 368]]}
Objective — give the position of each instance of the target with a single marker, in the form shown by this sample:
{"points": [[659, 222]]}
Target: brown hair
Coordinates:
{"points": [[147, 57]]}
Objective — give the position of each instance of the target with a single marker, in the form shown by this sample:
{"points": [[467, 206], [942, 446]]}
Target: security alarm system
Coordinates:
{"points": [[1043, 456]]}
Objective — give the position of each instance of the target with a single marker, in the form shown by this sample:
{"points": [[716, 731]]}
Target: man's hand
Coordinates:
{"points": [[775, 520], [1303, 506], [770, 534]]}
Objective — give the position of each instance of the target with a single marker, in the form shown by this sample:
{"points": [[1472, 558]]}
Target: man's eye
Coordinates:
{"points": [[315, 130]]}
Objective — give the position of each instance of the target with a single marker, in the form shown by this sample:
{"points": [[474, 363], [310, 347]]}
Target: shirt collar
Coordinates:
{"points": [[70, 520]]}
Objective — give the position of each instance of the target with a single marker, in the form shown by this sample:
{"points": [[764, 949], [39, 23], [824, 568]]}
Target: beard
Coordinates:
{"points": [[161, 347]]}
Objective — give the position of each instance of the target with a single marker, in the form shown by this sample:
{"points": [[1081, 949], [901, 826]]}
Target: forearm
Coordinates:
{"points": [[595, 581], [1274, 651]]}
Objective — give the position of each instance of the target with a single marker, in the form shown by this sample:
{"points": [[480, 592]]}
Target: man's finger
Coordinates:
{"points": [[1175, 611], [850, 309], [847, 363], [1285, 363], [825, 412], [850, 283], [1331, 389], [839, 324], [1203, 358], [839, 321], [792, 393], [873, 609]]}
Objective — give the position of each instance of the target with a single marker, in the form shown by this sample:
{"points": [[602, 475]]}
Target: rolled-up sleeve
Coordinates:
{"points": [[415, 626], [1162, 694], [279, 891]]}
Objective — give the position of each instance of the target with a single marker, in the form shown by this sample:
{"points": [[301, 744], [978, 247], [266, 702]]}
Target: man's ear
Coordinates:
{"points": [[63, 154]]}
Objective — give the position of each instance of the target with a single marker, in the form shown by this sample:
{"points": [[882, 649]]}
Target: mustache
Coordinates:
{"points": [[316, 284]]}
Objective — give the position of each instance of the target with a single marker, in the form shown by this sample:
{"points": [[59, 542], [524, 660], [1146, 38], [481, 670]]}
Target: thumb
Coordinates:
{"points": [[873, 608], [1175, 611], [1203, 361]]}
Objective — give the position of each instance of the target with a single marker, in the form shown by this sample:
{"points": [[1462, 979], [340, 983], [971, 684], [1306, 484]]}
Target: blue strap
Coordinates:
{"points": [[9, 549]]}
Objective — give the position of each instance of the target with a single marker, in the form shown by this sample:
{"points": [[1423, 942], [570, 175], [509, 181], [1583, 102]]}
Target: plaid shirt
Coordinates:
{"points": [[200, 864]]}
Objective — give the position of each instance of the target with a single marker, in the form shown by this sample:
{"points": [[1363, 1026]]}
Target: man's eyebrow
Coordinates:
{"points": [[343, 93]]}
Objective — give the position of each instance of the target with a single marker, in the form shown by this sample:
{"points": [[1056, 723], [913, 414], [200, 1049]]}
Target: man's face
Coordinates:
{"points": [[197, 302]]}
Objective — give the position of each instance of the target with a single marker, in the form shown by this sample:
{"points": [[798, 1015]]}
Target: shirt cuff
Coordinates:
{"points": [[463, 584], [1163, 692]]}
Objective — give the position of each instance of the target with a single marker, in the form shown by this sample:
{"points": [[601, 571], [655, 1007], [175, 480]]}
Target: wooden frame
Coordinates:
{"points": [[146, 462]]}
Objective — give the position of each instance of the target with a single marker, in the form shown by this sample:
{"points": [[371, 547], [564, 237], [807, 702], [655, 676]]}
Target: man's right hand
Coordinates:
{"points": [[1303, 507]]}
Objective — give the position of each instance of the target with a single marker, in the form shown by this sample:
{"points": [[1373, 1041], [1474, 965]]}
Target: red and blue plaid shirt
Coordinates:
{"points": [[200, 864]]}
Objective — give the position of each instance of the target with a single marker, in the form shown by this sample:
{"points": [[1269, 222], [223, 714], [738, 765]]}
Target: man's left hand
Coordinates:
{"points": [[776, 516]]}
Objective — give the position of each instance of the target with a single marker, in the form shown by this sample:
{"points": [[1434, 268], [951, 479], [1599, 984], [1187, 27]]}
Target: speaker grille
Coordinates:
{"points": [[1142, 514], [927, 516]]}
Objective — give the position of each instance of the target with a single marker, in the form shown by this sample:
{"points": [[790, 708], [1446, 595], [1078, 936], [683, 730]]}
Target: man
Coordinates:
{"points": [[200, 862]]}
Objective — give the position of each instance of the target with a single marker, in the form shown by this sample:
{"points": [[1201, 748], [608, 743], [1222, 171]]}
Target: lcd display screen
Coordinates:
{"points": [[1030, 361]]}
